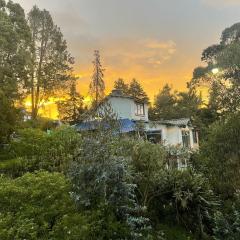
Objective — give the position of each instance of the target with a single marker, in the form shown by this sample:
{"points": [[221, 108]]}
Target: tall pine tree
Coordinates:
{"points": [[97, 85]]}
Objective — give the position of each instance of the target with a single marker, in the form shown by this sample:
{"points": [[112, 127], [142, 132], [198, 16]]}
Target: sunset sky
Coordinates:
{"points": [[154, 41]]}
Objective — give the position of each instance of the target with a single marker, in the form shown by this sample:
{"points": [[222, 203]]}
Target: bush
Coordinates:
{"points": [[227, 222], [172, 232], [13, 167], [149, 162], [38, 206], [219, 156], [102, 179], [41, 150], [185, 198]]}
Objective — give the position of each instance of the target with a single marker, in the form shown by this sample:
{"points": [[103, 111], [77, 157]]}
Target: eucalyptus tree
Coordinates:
{"points": [[14, 60], [14, 49], [51, 63], [222, 72]]}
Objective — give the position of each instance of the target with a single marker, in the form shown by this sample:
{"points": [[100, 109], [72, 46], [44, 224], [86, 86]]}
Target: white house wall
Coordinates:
{"points": [[171, 135], [156, 127], [123, 107], [126, 108], [174, 136]]}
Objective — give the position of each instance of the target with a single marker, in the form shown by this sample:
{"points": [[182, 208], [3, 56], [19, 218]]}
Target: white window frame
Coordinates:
{"points": [[140, 109]]}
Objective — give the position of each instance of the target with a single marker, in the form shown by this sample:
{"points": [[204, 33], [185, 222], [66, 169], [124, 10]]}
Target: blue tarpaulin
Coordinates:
{"points": [[125, 125]]}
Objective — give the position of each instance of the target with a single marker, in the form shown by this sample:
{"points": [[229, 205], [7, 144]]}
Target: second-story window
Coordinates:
{"points": [[140, 109]]}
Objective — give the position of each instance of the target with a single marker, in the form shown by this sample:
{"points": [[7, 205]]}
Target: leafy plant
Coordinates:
{"points": [[38, 206]]}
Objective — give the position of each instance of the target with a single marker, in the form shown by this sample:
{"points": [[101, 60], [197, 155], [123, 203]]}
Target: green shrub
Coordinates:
{"points": [[175, 232], [219, 156], [38, 206], [37, 150], [13, 167]]}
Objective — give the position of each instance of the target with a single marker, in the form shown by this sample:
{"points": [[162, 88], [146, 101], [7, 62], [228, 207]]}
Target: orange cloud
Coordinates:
{"points": [[143, 59]]}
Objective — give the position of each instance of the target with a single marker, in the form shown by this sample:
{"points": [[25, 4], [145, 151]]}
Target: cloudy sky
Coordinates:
{"points": [[154, 41]]}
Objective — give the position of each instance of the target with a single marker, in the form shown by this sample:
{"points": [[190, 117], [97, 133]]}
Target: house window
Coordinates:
{"points": [[182, 164], [140, 109], [195, 136], [154, 136], [185, 138], [174, 162]]}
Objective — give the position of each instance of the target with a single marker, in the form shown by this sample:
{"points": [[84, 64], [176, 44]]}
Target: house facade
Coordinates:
{"points": [[132, 113]]}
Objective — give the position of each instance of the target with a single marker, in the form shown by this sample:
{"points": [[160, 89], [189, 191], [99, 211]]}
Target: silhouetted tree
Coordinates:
{"points": [[164, 104], [51, 61], [136, 91], [121, 85], [71, 109], [97, 85], [225, 85], [15, 40]]}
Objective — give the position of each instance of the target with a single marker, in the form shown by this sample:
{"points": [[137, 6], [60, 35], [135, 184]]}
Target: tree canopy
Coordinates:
{"points": [[50, 60], [224, 57], [168, 104], [71, 109], [136, 91], [15, 49], [121, 85]]}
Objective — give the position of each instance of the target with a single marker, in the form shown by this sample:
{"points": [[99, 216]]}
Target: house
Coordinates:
{"points": [[133, 113]]}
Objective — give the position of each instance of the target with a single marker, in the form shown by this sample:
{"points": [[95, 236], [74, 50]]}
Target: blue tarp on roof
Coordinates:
{"points": [[126, 125]]}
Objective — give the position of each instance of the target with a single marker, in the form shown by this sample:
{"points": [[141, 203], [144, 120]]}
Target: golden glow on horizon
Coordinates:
{"points": [[49, 108], [87, 100]]}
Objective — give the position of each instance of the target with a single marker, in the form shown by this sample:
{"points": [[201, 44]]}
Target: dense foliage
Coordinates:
{"points": [[122, 188], [33, 149], [56, 183], [222, 72], [219, 156], [38, 206]]}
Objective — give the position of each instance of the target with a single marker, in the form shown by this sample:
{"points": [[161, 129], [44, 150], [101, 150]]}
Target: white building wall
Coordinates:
{"points": [[123, 107], [174, 136], [126, 108]]}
